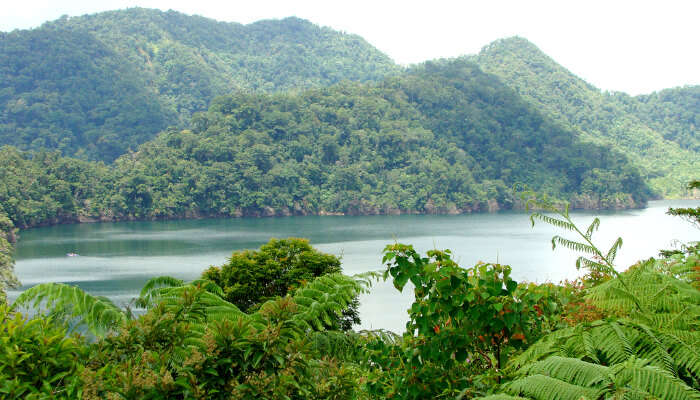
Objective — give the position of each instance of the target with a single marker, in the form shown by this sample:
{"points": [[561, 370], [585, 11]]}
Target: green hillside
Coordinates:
{"points": [[673, 112], [443, 138], [646, 137], [98, 85]]}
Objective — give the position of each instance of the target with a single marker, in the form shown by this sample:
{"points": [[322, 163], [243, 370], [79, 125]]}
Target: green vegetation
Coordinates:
{"points": [[250, 278], [96, 87], [471, 332], [657, 132], [304, 120], [37, 359], [673, 112], [443, 138], [99, 85], [691, 214], [7, 260], [190, 343]]}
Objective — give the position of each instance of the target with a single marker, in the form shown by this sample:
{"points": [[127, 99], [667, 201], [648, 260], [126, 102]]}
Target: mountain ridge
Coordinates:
{"points": [[445, 137], [177, 63], [600, 117]]}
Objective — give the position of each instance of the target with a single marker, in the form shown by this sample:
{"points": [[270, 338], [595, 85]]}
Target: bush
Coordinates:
{"points": [[37, 359]]}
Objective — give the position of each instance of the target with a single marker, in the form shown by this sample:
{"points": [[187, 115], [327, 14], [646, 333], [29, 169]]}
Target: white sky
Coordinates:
{"points": [[631, 46]]}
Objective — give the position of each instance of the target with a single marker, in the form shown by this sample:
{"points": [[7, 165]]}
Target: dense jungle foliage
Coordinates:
{"points": [[250, 278], [673, 112], [284, 117], [443, 138], [471, 333], [658, 132], [98, 85], [8, 238]]}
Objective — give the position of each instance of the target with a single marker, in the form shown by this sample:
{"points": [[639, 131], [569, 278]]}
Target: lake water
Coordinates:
{"points": [[117, 258]]}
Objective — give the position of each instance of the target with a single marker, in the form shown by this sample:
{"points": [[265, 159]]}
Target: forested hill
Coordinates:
{"points": [[98, 85], [658, 132], [673, 112], [444, 137]]}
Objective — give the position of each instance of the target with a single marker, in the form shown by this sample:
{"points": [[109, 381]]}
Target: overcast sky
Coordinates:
{"points": [[631, 46]]}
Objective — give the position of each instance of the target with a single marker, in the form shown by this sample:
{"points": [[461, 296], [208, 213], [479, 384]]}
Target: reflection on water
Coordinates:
{"points": [[117, 258]]}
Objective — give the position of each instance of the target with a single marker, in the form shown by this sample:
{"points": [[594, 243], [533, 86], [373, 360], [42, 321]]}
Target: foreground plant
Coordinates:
{"points": [[646, 346], [463, 323], [37, 359]]}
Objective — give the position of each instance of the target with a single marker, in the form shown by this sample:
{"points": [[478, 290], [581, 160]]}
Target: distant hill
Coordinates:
{"points": [[658, 132], [675, 113], [444, 137], [98, 85]]}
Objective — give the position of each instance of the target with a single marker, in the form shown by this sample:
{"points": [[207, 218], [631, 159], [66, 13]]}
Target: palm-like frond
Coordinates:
{"points": [[595, 224], [322, 299], [570, 378], [669, 302], [612, 253], [195, 303], [571, 370], [97, 313], [145, 298], [614, 342], [572, 245], [560, 223], [637, 375], [590, 264], [542, 387]]}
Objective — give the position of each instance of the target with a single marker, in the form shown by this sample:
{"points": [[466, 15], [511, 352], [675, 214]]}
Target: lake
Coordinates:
{"points": [[117, 258]]}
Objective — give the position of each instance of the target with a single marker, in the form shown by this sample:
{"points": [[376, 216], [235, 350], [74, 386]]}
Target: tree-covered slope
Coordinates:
{"points": [[445, 137], [98, 85], [673, 112], [600, 117]]}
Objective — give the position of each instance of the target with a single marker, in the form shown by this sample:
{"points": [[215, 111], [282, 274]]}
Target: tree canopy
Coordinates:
{"points": [[443, 138], [99, 85], [657, 132]]}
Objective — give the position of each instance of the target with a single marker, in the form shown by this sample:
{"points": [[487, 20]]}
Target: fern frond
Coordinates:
{"points": [[658, 383], [343, 346], [96, 313], [324, 298], [685, 351], [572, 245], [590, 264], [545, 347], [612, 253], [543, 387], [209, 286], [383, 335], [649, 346], [589, 346], [559, 223], [592, 227], [145, 297], [570, 370]]}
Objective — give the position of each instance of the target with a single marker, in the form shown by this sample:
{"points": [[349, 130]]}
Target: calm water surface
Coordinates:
{"points": [[117, 258]]}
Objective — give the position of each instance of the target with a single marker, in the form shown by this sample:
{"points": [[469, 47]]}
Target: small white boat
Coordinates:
{"points": [[72, 254]]}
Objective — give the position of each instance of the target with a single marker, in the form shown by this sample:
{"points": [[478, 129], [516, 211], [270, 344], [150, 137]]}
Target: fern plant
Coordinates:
{"points": [[8, 279], [648, 346], [571, 378], [70, 304], [599, 263], [670, 303], [200, 301]]}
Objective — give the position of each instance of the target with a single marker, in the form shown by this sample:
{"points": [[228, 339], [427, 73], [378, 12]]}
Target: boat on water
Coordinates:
{"points": [[72, 254]]}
